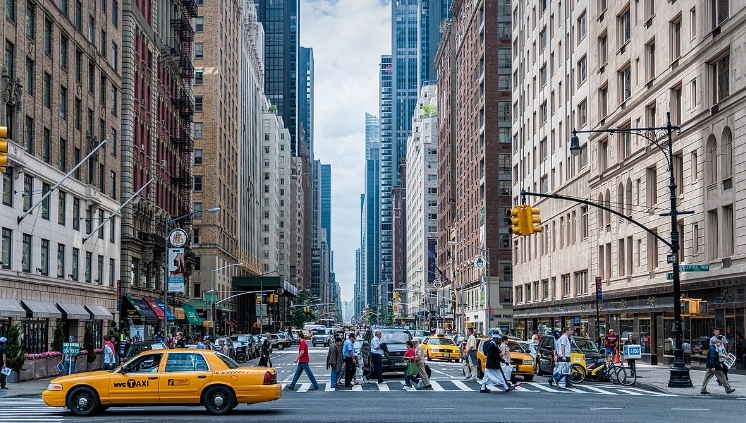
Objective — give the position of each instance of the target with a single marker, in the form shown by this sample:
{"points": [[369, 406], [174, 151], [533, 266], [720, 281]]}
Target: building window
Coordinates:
{"points": [[727, 154], [197, 157], [625, 142], [603, 101], [112, 271], [8, 192], [197, 130], [581, 27], [44, 259], [30, 20], [603, 48], [113, 184], [676, 105], [115, 13], [582, 74], [76, 214], [720, 76], [10, 9], [100, 270], [75, 261], [47, 90], [62, 208], [711, 161], [625, 83], [28, 191], [695, 238], [624, 25], [693, 23], [29, 135], [198, 77], [61, 261], [651, 185], [198, 183], [581, 283], [135, 272], [650, 60], [112, 228], [603, 154], [88, 266], [198, 104], [718, 11], [63, 51], [114, 56], [7, 248], [63, 103], [713, 236], [100, 221], [199, 50], [45, 141], [675, 38], [30, 74], [582, 113], [26, 253], [199, 24]]}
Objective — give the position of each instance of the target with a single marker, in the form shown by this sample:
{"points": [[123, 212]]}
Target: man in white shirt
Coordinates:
{"points": [[376, 356], [470, 353], [563, 350]]}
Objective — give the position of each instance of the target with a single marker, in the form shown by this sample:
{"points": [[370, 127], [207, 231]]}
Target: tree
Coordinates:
{"points": [[89, 343], [16, 355], [59, 336], [302, 301]]}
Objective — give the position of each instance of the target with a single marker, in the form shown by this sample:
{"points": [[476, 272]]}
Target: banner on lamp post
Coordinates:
{"points": [[176, 270]]}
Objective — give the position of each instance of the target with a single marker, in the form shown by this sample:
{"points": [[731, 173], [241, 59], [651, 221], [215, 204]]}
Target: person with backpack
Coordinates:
{"points": [[334, 360], [493, 373], [109, 358]]}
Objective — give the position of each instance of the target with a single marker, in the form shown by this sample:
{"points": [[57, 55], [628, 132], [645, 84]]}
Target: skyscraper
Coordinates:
{"points": [[370, 220], [305, 95], [384, 236], [282, 42], [326, 201]]}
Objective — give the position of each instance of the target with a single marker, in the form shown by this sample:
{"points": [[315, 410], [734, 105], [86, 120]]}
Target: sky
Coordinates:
{"points": [[348, 38]]}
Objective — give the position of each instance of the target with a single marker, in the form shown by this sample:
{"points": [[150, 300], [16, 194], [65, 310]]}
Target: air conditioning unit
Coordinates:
{"points": [[142, 147], [164, 163]]}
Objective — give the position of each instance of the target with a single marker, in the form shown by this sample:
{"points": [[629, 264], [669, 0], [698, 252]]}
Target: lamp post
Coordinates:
{"points": [[212, 291], [165, 261], [679, 373], [487, 321]]}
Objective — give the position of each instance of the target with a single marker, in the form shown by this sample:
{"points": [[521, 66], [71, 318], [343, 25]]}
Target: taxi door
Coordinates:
{"points": [[183, 378], [137, 382]]}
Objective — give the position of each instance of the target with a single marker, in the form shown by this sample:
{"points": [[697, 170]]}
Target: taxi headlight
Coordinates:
{"points": [[54, 387], [528, 362]]}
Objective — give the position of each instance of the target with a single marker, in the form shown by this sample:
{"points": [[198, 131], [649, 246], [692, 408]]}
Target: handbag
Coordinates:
{"points": [[412, 369], [6, 371], [60, 368], [566, 368]]}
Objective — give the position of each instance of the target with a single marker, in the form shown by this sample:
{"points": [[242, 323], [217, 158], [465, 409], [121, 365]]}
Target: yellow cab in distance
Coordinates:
{"points": [[442, 348], [185, 377], [523, 363]]}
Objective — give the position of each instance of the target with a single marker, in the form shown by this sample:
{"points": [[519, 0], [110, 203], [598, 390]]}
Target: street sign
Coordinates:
{"points": [[672, 258], [694, 268], [599, 290], [71, 348], [479, 262]]}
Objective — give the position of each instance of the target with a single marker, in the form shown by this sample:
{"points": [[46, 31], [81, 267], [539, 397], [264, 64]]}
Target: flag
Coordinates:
{"points": [[442, 275], [383, 264]]}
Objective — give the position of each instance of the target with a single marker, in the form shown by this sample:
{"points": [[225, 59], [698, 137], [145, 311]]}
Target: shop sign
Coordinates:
{"points": [[176, 268], [177, 238], [71, 348]]}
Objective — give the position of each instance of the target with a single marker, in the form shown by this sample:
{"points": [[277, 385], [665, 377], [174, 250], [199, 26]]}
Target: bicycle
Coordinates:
{"points": [[612, 372]]}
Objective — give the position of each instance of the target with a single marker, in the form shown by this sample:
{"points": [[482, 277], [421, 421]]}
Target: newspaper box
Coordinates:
{"points": [[632, 352]]}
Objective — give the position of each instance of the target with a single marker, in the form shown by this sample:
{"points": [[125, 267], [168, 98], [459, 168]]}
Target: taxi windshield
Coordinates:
{"points": [[394, 337], [227, 360], [515, 347], [440, 341], [585, 345]]}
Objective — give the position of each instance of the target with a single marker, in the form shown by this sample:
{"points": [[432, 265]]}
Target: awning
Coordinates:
{"points": [[42, 309], [191, 315], [154, 306], [137, 309], [11, 308], [147, 311], [74, 311], [100, 313], [169, 315], [229, 323], [178, 312]]}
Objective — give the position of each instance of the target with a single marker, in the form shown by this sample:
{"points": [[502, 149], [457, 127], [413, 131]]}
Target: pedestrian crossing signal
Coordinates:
{"points": [[258, 299], [532, 220], [3, 148]]}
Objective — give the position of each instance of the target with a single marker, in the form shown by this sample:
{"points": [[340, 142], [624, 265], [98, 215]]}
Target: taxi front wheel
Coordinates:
{"points": [[83, 401], [218, 400]]}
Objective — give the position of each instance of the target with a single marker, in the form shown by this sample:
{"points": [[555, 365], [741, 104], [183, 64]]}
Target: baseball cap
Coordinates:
{"points": [[495, 334], [3, 339]]}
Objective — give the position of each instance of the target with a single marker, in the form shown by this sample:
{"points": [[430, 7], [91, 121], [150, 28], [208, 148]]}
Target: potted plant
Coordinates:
{"points": [[89, 345], [16, 354]]}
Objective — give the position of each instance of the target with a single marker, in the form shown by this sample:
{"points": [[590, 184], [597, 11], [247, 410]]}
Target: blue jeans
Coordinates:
{"points": [[301, 368], [336, 374], [67, 370], [377, 370], [409, 379]]}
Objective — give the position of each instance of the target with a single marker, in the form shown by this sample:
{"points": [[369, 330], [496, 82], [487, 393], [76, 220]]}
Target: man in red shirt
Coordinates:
{"points": [[610, 343], [302, 361]]}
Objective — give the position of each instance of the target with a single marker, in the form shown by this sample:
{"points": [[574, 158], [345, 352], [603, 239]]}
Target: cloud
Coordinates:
{"points": [[348, 38]]}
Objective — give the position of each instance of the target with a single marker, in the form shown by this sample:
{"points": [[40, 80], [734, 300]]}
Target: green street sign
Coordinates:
{"points": [[70, 348], [694, 268]]}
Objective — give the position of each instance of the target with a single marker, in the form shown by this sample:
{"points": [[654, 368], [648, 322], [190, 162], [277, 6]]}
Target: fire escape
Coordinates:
{"points": [[182, 102]]}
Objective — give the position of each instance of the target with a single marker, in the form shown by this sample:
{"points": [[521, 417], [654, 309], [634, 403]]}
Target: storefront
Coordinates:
{"points": [[191, 318], [141, 319], [10, 311]]}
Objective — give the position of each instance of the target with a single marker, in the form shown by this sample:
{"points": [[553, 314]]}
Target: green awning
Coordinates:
{"points": [[191, 315]]}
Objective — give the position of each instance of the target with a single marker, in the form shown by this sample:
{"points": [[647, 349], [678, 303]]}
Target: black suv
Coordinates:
{"points": [[396, 344], [580, 344]]}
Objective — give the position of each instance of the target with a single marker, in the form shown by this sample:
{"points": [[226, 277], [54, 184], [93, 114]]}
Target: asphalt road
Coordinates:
{"points": [[452, 400]]}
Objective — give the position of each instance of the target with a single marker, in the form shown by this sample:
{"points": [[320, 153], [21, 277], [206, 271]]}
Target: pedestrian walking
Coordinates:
{"points": [[303, 366], [264, 360], [376, 357], [506, 365], [109, 358], [610, 343], [563, 349], [348, 353], [715, 368], [410, 375], [470, 354], [334, 359], [69, 360], [535, 337], [631, 341], [723, 351], [4, 359], [493, 374], [180, 341], [419, 354]]}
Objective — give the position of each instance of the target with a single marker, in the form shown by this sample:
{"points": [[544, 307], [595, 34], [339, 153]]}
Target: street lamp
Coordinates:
{"points": [[679, 373], [212, 291], [487, 321], [165, 260]]}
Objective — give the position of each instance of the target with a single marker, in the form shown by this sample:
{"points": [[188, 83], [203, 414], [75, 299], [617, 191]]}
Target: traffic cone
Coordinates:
{"points": [[616, 357]]}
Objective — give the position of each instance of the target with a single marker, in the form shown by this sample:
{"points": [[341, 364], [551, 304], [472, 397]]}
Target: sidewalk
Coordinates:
{"points": [[656, 378], [32, 388]]}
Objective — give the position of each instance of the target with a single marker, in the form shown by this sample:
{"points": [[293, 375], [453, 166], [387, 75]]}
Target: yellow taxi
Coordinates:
{"points": [[523, 363], [166, 377], [442, 348]]}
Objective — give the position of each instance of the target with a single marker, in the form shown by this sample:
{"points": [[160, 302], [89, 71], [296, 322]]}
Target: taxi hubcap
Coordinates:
{"points": [[218, 400], [82, 402]]}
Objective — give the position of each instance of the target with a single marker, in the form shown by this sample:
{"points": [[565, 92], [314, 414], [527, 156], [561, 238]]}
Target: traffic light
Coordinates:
{"points": [[515, 217], [396, 296], [258, 299], [273, 298], [532, 220], [3, 148], [307, 309]]}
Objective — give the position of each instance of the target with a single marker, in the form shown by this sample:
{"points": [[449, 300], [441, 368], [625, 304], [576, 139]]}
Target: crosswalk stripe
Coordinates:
{"points": [[522, 389], [542, 387], [436, 386], [655, 394], [596, 390], [462, 385], [357, 388], [627, 391], [304, 387], [383, 387], [329, 387]]}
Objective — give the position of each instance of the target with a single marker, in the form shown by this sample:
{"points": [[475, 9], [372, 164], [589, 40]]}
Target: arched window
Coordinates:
{"points": [[600, 216], [620, 198], [711, 160], [629, 197], [727, 153], [607, 203]]}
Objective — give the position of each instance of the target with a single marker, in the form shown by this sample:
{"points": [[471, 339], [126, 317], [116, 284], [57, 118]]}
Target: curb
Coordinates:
{"points": [[21, 396], [652, 387]]}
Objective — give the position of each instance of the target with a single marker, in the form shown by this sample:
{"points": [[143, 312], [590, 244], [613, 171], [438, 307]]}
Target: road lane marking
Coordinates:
{"points": [[436, 386], [357, 388], [383, 387], [329, 387], [304, 387], [522, 389], [440, 408], [607, 408], [626, 391], [517, 408], [461, 385], [691, 409], [597, 390], [544, 388]]}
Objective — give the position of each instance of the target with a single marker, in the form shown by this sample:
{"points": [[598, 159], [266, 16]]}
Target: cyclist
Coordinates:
{"points": [[610, 343]]}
